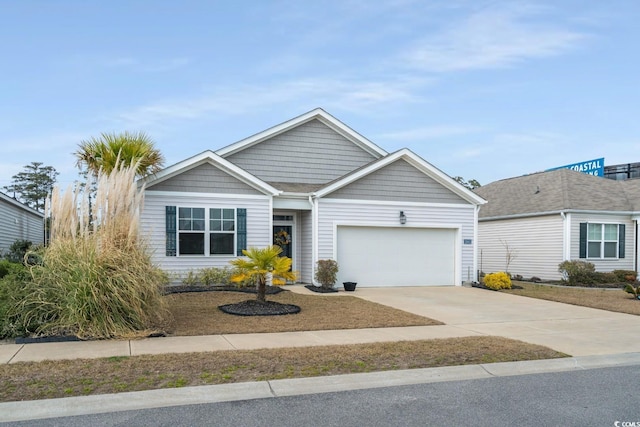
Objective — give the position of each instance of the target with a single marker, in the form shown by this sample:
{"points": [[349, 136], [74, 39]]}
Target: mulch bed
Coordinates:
{"points": [[482, 286], [259, 308], [320, 289]]}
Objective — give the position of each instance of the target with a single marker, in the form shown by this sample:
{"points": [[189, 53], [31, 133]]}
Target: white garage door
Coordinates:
{"points": [[396, 256]]}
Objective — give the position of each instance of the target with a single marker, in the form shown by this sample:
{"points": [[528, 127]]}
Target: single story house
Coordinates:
{"points": [[19, 222], [322, 191], [543, 219]]}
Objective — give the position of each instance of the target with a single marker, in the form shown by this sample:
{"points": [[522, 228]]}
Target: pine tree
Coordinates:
{"points": [[32, 185]]}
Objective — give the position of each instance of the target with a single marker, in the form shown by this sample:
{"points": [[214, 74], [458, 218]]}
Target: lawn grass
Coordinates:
{"points": [[53, 379], [197, 313], [604, 299]]}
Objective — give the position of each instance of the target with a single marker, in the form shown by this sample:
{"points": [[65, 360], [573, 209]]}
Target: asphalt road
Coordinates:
{"points": [[594, 397]]}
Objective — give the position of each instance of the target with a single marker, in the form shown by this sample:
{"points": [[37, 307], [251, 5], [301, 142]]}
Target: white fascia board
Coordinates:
{"points": [[215, 160], [20, 205], [558, 212], [317, 113], [416, 161]]}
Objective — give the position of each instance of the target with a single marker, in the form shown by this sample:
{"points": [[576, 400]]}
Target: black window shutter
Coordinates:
{"points": [[241, 233], [583, 240], [621, 236], [170, 219]]}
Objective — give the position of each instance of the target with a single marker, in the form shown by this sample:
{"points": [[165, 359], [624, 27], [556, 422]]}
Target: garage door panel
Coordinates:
{"points": [[396, 256]]}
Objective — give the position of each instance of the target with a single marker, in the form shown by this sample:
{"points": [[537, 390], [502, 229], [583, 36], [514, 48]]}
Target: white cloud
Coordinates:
{"points": [[338, 94], [492, 38]]}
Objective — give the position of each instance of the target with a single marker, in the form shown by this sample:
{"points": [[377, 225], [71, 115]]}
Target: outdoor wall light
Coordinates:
{"points": [[403, 218]]}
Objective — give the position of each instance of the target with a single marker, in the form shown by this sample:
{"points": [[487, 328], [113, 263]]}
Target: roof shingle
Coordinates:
{"points": [[557, 190]]}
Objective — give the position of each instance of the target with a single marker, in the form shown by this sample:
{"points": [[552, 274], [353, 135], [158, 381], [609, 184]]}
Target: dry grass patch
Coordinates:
{"points": [[52, 379], [604, 299], [197, 313]]}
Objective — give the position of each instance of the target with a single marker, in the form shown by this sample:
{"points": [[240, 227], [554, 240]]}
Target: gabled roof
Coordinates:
{"points": [[557, 191], [413, 159], [20, 205], [317, 114], [215, 160]]}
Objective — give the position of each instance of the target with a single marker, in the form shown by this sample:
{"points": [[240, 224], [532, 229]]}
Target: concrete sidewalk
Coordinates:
{"points": [[578, 331]]}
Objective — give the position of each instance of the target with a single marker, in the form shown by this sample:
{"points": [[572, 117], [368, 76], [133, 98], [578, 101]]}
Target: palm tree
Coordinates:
{"points": [[259, 264], [112, 149]]}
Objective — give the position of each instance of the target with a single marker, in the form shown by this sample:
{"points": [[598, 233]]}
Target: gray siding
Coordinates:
{"points": [[625, 263], [19, 224], [536, 244], [311, 153], [205, 178], [333, 212], [153, 228], [400, 182]]}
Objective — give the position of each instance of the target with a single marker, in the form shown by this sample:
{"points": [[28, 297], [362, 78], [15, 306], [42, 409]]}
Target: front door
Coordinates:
{"points": [[282, 236]]}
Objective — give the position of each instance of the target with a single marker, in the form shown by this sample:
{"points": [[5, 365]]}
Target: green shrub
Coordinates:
{"points": [[191, 279], [625, 275], [326, 271], [499, 280], [215, 276], [18, 250], [600, 278], [577, 272], [209, 277], [7, 267]]}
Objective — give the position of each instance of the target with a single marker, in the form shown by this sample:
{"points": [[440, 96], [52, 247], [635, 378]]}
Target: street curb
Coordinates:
{"points": [[84, 405]]}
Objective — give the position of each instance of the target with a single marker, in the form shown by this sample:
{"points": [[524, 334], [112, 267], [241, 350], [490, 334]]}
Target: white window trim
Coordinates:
{"points": [[602, 241], [207, 232]]}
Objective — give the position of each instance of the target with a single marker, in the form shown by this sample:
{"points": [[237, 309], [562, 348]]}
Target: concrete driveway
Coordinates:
{"points": [[578, 331]]}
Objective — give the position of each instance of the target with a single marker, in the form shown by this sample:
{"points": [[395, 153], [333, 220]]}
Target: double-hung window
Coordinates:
{"points": [[222, 231], [602, 240], [206, 231]]}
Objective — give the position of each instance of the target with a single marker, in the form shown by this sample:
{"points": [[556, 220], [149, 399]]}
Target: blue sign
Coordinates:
{"points": [[591, 167]]}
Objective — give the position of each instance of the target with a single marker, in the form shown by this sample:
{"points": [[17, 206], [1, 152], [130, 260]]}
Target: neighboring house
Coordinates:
{"points": [[545, 218], [19, 222], [321, 190]]}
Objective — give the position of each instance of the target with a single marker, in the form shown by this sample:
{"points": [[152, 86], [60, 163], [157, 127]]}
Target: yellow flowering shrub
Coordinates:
{"points": [[499, 280]]}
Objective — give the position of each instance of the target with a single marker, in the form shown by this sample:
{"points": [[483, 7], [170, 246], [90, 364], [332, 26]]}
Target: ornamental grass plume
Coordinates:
{"points": [[96, 279]]}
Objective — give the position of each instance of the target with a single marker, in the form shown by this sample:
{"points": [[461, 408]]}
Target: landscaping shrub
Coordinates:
{"points": [[18, 250], [7, 267], [213, 276], [326, 271], [600, 277], [499, 280], [96, 280], [577, 272], [625, 275]]}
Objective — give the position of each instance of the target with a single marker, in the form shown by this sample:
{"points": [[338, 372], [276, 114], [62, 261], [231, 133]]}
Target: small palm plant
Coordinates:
{"points": [[259, 264], [633, 289]]}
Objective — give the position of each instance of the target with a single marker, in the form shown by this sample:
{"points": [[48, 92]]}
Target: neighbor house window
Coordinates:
{"points": [[206, 231], [602, 240]]}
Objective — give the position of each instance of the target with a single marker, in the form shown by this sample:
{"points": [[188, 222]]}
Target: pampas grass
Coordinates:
{"points": [[96, 279]]}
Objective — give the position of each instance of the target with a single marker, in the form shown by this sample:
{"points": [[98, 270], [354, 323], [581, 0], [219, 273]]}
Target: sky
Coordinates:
{"points": [[485, 90]]}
